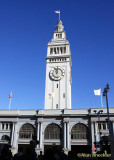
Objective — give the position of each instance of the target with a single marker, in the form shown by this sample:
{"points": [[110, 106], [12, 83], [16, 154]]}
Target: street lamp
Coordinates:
{"points": [[98, 114], [106, 89]]}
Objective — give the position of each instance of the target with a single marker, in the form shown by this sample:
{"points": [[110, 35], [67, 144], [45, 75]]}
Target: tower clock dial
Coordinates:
{"points": [[57, 73]]}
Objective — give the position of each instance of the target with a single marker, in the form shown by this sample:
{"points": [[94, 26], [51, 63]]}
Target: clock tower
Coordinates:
{"points": [[58, 71]]}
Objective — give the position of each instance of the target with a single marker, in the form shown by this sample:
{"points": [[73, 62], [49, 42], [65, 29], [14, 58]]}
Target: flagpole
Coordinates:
{"points": [[10, 95], [98, 93], [59, 15], [9, 103], [101, 100]]}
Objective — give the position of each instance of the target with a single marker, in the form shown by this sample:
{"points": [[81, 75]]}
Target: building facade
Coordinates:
{"points": [[68, 129], [79, 130]]}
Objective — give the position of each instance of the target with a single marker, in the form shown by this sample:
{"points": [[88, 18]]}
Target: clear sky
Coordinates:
{"points": [[26, 26]]}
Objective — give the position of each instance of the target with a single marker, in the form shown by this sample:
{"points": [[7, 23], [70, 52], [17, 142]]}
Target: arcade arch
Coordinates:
{"points": [[52, 131], [27, 131], [79, 131]]}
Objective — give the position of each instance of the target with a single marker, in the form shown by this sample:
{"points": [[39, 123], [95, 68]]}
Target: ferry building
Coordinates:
{"points": [[80, 130]]}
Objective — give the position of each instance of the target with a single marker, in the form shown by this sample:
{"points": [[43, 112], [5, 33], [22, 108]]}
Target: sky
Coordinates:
{"points": [[26, 26]]}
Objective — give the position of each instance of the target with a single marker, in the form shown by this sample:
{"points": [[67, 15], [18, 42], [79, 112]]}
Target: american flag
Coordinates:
{"points": [[10, 95]]}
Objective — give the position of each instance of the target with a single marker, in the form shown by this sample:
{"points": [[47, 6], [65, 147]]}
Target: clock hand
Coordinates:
{"points": [[56, 71]]}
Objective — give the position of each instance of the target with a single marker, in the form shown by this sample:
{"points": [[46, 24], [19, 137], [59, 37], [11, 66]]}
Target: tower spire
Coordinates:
{"points": [[59, 27]]}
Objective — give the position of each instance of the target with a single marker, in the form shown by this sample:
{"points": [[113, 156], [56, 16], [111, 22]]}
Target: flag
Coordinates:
{"points": [[97, 92], [50, 95], [10, 95], [57, 11]]}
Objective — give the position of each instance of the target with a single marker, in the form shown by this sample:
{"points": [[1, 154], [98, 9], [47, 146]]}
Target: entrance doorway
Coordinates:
{"points": [[23, 146], [81, 148], [50, 147]]}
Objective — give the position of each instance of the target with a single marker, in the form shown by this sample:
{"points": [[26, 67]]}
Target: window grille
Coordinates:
{"points": [[27, 131], [79, 131], [52, 131]]}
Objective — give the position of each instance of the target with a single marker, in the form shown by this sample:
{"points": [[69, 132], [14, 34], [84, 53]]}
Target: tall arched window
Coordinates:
{"points": [[52, 131], [27, 131], [79, 131]]}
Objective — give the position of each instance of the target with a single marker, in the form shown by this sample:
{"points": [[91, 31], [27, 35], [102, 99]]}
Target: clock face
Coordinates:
{"points": [[57, 73]]}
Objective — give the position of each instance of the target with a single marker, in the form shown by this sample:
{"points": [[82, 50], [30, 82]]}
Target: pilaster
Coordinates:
{"points": [[67, 135], [39, 147], [64, 135], [14, 138], [67, 144], [92, 137]]}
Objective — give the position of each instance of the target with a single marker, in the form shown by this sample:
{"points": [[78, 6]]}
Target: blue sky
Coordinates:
{"points": [[26, 26]]}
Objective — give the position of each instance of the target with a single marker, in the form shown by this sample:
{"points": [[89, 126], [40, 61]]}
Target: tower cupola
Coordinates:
{"points": [[59, 33], [59, 27]]}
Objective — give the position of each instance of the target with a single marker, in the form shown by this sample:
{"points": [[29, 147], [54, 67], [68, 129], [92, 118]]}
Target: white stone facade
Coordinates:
{"points": [[58, 90], [65, 119]]}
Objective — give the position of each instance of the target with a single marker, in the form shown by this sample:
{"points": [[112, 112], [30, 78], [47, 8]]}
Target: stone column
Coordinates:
{"points": [[37, 149], [16, 135], [8, 126], [14, 140], [4, 126], [92, 137], [96, 139], [67, 135], [38, 134], [64, 135], [41, 135], [12, 133]]}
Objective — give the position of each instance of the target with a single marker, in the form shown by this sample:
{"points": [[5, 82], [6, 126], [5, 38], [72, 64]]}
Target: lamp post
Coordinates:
{"points": [[98, 114], [106, 89]]}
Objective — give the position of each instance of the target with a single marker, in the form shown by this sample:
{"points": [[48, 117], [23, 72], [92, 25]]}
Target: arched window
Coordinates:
{"points": [[27, 131], [52, 131], [79, 131]]}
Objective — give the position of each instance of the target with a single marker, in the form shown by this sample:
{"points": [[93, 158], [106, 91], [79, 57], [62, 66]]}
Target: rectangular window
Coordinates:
{"points": [[63, 95], [51, 50], [55, 50], [57, 85], [2, 126], [64, 49], [104, 126], [6, 126], [56, 106], [10, 126]]}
